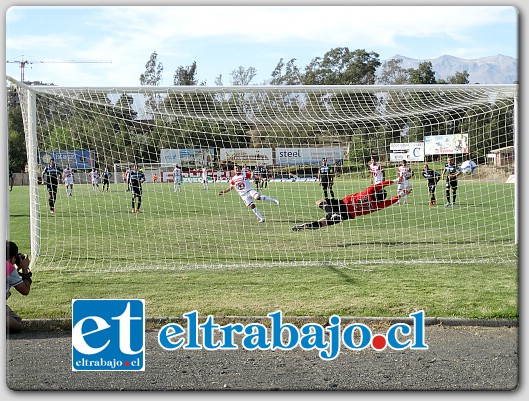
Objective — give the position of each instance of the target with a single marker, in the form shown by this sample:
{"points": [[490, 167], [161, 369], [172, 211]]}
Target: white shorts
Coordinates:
{"points": [[404, 185], [249, 197], [95, 181], [68, 181]]}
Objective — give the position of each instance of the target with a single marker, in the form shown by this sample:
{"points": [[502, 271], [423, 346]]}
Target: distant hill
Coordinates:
{"points": [[497, 69]]}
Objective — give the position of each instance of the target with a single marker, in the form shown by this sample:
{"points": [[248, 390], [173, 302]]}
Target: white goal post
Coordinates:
{"points": [[276, 132]]}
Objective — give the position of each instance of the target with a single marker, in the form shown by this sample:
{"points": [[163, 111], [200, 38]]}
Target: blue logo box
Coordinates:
{"points": [[108, 335]]}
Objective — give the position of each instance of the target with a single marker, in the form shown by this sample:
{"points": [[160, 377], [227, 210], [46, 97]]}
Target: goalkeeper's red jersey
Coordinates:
{"points": [[364, 202]]}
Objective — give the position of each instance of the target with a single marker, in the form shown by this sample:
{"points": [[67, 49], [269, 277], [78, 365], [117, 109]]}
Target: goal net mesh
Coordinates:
{"points": [[283, 133]]}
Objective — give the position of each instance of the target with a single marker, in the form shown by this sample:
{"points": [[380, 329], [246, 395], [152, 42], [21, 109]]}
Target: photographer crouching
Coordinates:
{"points": [[19, 277]]}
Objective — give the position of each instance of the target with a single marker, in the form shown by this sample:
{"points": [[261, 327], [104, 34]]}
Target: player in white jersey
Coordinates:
{"points": [[67, 175], [177, 178], [404, 173], [377, 172], [241, 183], [94, 177], [204, 178]]}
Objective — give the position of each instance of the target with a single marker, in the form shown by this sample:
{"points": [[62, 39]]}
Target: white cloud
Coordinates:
{"points": [[128, 35]]}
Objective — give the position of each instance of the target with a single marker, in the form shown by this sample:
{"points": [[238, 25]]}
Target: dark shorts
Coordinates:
{"points": [[135, 191], [451, 184]]}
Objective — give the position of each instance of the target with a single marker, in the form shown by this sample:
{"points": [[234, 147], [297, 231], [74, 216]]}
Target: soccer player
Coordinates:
{"points": [[371, 199], [177, 178], [326, 178], [377, 172], [67, 174], [204, 178], [264, 176], [106, 179], [94, 178], [241, 183], [50, 175], [126, 178], [404, 173], [136, 179], [433, 178], [257, 177], [452, 172]]}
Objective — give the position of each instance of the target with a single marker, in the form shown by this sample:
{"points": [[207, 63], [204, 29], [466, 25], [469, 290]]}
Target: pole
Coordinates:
{"points": [[32, 150]]}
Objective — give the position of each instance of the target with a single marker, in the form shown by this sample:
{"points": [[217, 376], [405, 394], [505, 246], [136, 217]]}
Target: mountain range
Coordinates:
{"points": [[498, 69]]}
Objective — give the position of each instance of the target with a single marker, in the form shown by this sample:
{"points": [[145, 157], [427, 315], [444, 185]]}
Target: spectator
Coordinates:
{"points": [[18, 276]]}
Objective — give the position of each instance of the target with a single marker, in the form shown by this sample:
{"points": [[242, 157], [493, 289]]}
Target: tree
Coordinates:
{"points": [[243, 76], [16, 138], [460, 78], [392, 73], [423, 75], [186, 75], [292, 75], [153, 71], [340, 66]]}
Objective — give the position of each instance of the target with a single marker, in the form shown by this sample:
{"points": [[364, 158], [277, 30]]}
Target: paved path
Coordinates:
{"points": [[458, 358]]}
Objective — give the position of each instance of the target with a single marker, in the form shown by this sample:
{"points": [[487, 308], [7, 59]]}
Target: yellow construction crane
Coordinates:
{"points": [[23, 63]]}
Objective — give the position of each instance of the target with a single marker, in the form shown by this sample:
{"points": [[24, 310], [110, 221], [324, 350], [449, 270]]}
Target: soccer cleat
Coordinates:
{"points": [[275, 201], [133, 210], [298, 228], [448, 204], [261, 220], [453, 203]]}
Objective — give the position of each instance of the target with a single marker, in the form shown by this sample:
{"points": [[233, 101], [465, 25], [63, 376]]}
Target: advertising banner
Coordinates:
{"points": [[189, 158], [77, 159], [411, 151], [248, 156], [308, 156], [446, 144]]}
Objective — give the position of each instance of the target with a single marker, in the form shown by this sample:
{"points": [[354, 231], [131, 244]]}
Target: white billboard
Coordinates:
{"points": [[410, 151], [446, 144], [308, 156], [248, 156], [190, 158]]}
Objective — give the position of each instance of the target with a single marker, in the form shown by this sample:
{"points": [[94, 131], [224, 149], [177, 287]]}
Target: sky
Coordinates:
{"points": [[109, 45]]}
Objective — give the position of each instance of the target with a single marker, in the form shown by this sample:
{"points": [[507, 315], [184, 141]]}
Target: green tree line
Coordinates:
{"points": [[113, 129]]}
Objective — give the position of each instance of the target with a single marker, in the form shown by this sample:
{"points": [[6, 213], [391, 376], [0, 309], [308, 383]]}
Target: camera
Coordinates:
{"points": [[20, 257]]}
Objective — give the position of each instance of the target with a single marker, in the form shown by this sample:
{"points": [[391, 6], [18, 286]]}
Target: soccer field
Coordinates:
{"points": [[209, 253], [198, 228]]}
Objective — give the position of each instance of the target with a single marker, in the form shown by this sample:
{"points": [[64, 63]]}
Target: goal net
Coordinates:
{"points": [[280, 134]]}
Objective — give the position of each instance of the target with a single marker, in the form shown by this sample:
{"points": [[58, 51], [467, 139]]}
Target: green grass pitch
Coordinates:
{"points": [[196, 250]]}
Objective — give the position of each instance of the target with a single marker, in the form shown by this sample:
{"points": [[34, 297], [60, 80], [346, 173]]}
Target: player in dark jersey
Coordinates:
{"points": [[50, 176], [326, 178], [264, 177], [452, 172], [371, 199], [136, 178], [256, 175], [433, 178], [106, 179]]}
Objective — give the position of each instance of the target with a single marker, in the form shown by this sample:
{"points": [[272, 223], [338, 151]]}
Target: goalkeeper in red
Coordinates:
{"points": [[371, 199]]}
